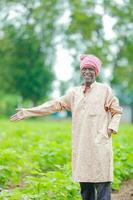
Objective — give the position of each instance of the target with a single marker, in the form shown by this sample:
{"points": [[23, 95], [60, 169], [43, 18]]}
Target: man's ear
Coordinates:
{"points": [[81, 72]]}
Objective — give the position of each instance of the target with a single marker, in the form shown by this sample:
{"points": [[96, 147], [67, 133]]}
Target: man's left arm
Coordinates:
{"points": [[112, 106]]}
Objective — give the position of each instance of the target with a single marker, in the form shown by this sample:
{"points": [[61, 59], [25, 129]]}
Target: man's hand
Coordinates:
{"points": [[18, 116], [110, 131]]}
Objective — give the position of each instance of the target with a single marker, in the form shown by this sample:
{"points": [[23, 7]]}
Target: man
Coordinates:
{"points": [[95, 117]]}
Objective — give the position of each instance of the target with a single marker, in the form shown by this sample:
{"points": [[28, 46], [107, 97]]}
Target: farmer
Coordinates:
{"points": [[95, 117]]}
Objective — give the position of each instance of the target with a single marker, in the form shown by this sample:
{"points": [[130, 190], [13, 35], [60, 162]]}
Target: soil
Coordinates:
{"points": [[125, 192]]}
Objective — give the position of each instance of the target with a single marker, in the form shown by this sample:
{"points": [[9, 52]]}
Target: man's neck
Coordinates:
{"points": [[87, 84]]}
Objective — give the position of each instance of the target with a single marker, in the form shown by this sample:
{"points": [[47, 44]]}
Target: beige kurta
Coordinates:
{"points": [[92, 113]]}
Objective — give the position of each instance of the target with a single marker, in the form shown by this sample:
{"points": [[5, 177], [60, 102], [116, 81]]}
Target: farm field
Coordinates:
{"points": [[35, 159]]}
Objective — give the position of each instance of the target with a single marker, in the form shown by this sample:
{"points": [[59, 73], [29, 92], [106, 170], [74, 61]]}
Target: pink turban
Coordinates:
{"points": [[88, 60]]}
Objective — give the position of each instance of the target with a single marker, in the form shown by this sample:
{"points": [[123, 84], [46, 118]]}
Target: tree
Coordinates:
{"points": [[123, 41], [28, 48], [85, 34]]}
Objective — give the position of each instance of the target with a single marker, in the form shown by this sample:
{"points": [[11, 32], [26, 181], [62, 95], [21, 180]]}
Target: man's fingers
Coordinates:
{"points": [[109, 132], [17, 116], [15, 119], [13, 116]]}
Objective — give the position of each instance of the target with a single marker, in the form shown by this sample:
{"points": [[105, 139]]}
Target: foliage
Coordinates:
{"points": [[85, 33], [123, 156], [28, 43], [35, 159], [27, 48]]}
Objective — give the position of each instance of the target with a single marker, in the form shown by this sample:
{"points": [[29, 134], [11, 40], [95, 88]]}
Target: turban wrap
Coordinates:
{"points": [[88, 60]]}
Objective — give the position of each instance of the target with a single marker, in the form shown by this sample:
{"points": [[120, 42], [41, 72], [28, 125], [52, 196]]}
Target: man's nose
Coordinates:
{"points": [[87, 70]]}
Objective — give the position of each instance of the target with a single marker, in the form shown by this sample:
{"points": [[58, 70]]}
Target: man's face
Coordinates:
{"points": [[88, 74]]}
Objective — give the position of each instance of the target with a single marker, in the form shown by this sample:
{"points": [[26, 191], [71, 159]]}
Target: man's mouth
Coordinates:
{"points": [[87, 76]]}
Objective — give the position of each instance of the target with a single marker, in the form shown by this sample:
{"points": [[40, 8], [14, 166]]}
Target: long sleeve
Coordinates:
{"points": [[112, 106], [49, 107]]}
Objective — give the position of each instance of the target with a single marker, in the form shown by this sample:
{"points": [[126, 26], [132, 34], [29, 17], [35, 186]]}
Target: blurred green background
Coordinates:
{"points": [[38, 40], [31, 32]]}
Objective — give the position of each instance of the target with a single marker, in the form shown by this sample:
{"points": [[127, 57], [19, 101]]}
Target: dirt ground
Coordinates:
{"points": [[125, 192]]}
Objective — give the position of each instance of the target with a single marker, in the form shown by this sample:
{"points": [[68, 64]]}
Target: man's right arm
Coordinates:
{"points": [[49, 107]]}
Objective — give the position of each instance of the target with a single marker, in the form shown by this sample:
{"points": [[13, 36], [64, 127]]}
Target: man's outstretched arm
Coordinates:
{"points": [[49, 107]]}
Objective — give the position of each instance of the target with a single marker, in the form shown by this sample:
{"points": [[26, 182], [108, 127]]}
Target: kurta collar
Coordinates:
{"points": [[91, 86]]}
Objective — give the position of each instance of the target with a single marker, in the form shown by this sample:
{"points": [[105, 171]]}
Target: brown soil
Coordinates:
{"points": [[125, 192]]}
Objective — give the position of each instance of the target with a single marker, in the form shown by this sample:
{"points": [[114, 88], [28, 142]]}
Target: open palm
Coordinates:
{"points": [[18, 116]]}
